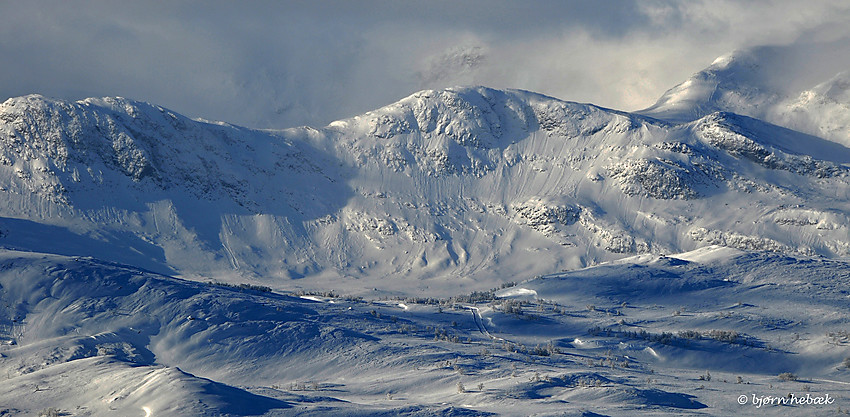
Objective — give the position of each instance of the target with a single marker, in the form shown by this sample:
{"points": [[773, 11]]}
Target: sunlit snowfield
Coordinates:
{"points": [[683, 335]]}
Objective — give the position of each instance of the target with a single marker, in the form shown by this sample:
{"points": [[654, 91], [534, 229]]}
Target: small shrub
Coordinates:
{"points": [[460, 388], [841, 338], [49, 412], [728, 336], [547, 350], [690, 334], [243, 286], [787, 376], [512, 307]]}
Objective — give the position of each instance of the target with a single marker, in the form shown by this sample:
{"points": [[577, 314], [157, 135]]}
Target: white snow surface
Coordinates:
{"points": [[85, 337], [439, 193], [467, 251]]}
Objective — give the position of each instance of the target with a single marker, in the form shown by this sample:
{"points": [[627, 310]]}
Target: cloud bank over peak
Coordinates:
{"points": [[275, 65]]}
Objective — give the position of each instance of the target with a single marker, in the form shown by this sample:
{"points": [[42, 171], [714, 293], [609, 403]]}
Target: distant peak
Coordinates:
{"points": [[722, 60], [783, 84], [26, 100]]}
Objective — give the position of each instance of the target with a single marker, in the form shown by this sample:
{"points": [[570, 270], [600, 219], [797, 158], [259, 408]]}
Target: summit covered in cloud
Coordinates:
{"points": [[283, 64]]}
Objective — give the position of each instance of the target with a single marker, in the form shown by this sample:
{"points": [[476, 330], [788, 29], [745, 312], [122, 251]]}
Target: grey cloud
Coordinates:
{"points": [[454, 62], [280, 64]]}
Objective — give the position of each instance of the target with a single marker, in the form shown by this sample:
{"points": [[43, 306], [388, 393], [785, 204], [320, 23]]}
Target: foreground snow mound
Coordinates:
{"points": [[83, 336], [675, 334], [441, 192]]}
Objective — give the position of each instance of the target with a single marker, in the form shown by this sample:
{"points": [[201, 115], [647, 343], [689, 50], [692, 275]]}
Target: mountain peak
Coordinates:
{"points": [[461, 182], [777, 84], [735, 82]]}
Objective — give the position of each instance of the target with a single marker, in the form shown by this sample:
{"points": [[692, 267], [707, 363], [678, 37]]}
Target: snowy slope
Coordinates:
{"points": [[823, 110], [91, 338], [112, 172], [439, 193], [638, 335]]}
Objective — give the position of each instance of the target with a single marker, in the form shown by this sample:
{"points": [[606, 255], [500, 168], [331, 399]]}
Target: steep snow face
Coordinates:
{"points": [[774, 84], [443, 191], [467, 131], [599, 183], [823, 110], [739, 82], [61, 150], [113, 172]]}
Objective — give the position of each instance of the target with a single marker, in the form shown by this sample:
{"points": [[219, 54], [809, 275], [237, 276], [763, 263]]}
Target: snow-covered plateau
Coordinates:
{"points": [[467, 251]]}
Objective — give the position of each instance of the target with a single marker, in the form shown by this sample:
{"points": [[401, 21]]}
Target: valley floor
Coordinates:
{"points": [[712, 332]]}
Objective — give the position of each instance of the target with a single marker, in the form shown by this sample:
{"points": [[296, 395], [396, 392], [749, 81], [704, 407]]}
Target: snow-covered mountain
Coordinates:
{"points": [[151, 264], [788, 86], [460, 188]]}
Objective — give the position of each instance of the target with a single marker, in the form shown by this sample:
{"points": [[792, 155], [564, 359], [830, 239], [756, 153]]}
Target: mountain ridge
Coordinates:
{"points": [[461, 187]]}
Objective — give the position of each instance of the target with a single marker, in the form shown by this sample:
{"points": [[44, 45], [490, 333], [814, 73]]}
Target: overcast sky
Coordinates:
{"points": [[276, 64]]}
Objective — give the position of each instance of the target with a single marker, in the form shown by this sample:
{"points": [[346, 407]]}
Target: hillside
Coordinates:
{"points": [[441, 192], [674, 335]]}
